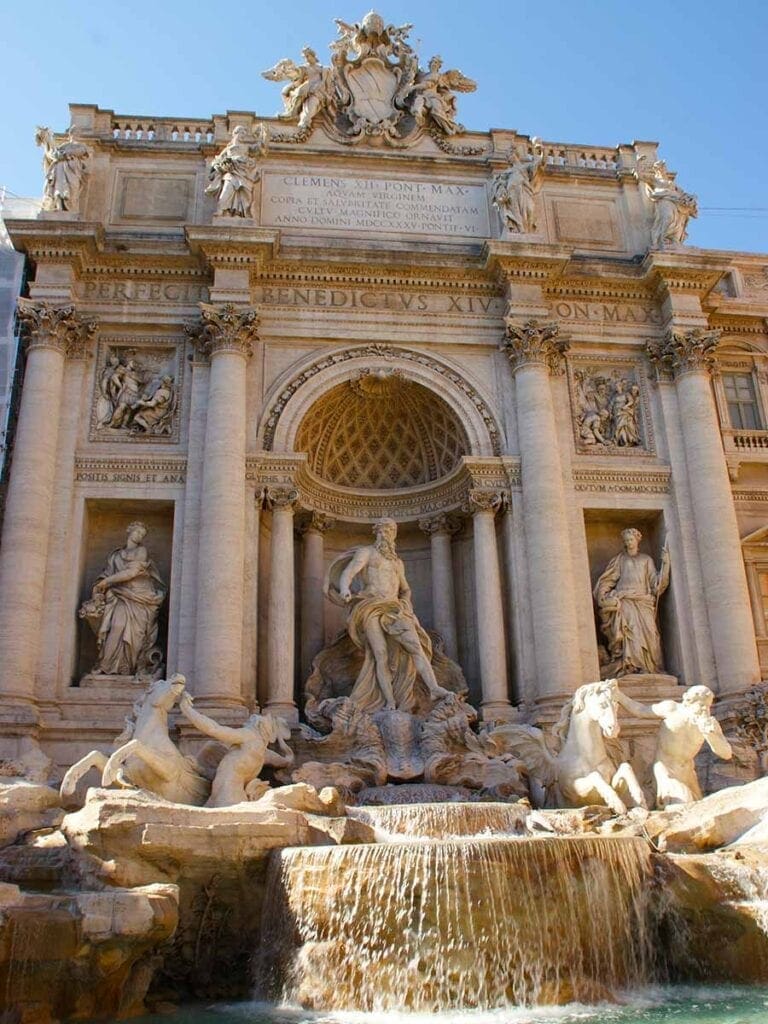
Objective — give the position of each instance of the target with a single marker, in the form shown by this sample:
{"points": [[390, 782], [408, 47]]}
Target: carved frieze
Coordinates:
{"points": [[137, 390], [609, 407]]}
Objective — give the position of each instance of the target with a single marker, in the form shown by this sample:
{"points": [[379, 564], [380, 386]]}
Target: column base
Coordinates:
{"points": [[19, 716], [499, 711], [286, 710]]}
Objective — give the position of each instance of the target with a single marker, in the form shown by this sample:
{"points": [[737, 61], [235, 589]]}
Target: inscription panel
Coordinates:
{"points": [[143, 197], [380, 205]]}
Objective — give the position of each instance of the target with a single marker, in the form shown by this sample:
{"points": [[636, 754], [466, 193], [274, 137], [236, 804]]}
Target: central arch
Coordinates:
{"points": [[296, 392]]}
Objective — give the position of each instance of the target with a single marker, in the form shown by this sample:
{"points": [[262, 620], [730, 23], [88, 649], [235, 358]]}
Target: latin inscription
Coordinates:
{"points": [[373, 299], [128, 475], [607, 312], [144, 291], [374, 204]]}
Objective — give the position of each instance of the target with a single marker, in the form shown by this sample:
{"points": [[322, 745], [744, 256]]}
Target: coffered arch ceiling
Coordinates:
{"points": [[380, 430]]}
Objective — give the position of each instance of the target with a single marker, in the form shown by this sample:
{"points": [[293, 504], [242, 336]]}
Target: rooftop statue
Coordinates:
{"points": [[374, 87], [64, 166], [513, 190], [233, 174], [672, 207]]}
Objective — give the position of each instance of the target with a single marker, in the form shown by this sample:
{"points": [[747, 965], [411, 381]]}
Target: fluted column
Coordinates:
{"points": [[483, 506], [534, 352], [280, 606], [688, 355], [312, 527], [440, 529], [226, 334], [54, 332]]}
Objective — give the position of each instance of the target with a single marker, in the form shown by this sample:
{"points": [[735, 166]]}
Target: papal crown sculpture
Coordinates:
{"points": [[374, 87]]}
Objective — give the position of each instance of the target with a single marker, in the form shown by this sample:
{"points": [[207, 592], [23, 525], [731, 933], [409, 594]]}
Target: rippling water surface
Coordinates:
{"points": [[678, 1005]]}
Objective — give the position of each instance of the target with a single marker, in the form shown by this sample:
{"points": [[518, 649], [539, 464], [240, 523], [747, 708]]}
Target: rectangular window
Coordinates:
{"points": [[742, 401]]}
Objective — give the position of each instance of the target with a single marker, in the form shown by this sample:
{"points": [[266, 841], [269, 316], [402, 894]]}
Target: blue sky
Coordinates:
{"points": [[690, 75]]}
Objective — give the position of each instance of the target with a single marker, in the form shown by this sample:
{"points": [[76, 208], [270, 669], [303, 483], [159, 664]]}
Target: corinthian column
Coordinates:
{"points": [[225, 334], [689, 356], [534, 352], [53, 333], [483, 505], [312, 528], [439, 529], [280, 607]]}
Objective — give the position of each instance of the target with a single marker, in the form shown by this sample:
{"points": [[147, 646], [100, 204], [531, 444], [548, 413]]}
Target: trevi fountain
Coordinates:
{"points": [[383, 573]]}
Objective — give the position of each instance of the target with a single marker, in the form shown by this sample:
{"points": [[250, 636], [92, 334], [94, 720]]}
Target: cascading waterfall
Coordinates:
{"points": [[444, 821], [473, 922]]}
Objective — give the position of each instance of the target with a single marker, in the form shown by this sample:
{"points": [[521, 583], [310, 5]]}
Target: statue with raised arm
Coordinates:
{"points": [[513, 190], [237, 776], [371, 582], [308, 90], [627, 595], [685, 728], [672, 207], [64, 167]]}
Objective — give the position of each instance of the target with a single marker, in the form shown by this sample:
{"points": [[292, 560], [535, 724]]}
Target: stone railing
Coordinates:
{"points": [[162, 129], [743, 441], [594, 158]]}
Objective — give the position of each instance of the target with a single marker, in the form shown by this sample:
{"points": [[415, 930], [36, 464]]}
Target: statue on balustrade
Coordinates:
{"points": [[672, 207], [64, 167], [371, 582], [309, 87], [513, 190], [233, 175], [431, 96], [627, 595], [123, 610]]}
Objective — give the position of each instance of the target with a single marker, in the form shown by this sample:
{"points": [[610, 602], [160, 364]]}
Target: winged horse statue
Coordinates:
{"points": [[583, 769]]}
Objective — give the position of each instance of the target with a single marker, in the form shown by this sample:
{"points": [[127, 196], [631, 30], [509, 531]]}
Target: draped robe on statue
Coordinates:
{"points": [[627, 595], [395, 616]]}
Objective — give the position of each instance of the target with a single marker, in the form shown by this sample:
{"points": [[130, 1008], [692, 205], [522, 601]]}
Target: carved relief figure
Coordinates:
{"points": [[382, 623], [513, 190], [237, 775], [135, 397], [123, 610], [233, 174], [627, 595], [308, 90], [64, 167], [607, 412], [672, 207]]}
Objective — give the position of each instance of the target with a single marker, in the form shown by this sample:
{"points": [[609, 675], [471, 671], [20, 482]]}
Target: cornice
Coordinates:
{"points": [[368, 275], [687, 270], [532, 261], [230, 245]]}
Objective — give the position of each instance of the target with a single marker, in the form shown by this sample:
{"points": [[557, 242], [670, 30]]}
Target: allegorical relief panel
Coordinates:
{"points": [[137, 391], [609, 406]]}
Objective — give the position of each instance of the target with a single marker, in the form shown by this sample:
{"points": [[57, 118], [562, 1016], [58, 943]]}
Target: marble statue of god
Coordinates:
{"points": [[627, 595], [382, 623]]}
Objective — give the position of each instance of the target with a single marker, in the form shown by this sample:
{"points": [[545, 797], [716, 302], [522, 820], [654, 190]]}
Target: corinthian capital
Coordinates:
{"points": [[533, 342], [441, 523], [314, 522], [57, 327], [684, 350], [226, 328], [483, 499], [281, 496]]}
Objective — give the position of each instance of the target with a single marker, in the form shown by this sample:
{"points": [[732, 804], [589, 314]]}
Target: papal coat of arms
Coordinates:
{"points": [[374, 88]]}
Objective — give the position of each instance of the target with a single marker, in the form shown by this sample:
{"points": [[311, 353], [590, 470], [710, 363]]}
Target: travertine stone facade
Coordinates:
{"points": [[259, 335]]}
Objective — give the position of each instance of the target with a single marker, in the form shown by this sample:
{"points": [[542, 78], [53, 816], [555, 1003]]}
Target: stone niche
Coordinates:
{"points": [[104, 530], [603, 530]]}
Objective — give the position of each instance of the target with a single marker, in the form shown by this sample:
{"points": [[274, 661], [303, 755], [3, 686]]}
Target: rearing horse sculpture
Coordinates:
{"points": [[582, 771], [145, 757]]}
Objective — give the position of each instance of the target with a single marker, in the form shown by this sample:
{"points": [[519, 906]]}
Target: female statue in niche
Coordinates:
{"points": [[123, 610]]}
